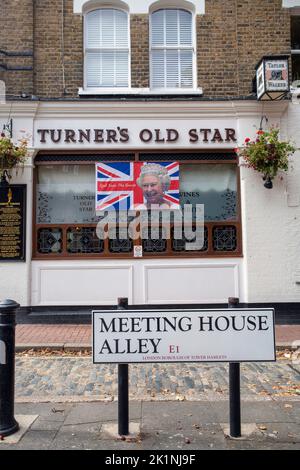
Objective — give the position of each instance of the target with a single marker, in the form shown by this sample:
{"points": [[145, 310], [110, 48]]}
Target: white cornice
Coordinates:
{"points": [[19, 109], [162, 109], [142, 109]]}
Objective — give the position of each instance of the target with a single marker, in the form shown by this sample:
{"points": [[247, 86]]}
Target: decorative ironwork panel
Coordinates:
{"points": [[181, 156], [122, 243], [83, 158], [154, 245], [225, 238], [179, 244], [49, 240], [84, 240]]}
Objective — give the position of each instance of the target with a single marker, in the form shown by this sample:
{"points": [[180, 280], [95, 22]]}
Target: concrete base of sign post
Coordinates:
{"points": [[25, 421], [247, 430], [110, 430]]}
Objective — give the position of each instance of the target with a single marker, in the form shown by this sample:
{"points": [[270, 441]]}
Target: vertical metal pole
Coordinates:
{"points": [[123, 390], [234, 388], [8, 424]]}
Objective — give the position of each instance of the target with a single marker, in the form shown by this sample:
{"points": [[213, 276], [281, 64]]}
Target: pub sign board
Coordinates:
{"points": [[12, 222], [141, 336], [272, 78]]}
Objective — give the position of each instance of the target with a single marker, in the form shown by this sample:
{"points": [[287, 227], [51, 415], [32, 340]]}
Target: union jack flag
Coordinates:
{"points": [[117, 189]]}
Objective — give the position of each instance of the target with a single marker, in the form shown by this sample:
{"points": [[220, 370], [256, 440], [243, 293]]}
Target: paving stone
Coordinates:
{"points": [[176, 416], [99, 413]]}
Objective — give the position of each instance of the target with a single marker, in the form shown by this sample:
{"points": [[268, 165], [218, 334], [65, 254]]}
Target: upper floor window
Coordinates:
{"points": [[106, 48], [172, 49], [295, 46]]}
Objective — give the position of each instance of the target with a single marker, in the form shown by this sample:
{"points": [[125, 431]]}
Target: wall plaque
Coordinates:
{"points": [[12, 223]]}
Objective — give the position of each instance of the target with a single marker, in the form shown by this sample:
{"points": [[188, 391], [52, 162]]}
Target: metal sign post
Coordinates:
{"points": [[123, 388], [8, 424], [234, 388]]}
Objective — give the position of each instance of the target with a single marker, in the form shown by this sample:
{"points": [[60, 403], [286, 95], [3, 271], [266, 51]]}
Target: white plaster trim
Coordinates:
{"points": [[139, 6], [290, 3], [139, 91]]}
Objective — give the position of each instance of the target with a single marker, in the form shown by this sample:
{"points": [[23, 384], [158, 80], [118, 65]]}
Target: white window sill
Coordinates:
{"points": [[139, 91], [290, 3]]}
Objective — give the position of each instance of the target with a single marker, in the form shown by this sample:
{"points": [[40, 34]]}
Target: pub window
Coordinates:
{"points": [[295, 47], [106, 48], [65, 218], [172, 49]]}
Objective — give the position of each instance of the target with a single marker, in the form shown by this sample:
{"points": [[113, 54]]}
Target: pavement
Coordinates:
{"points": [[64, 401], [66, 336], [162, 426]]}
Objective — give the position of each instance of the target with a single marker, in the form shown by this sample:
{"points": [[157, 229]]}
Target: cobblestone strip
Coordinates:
{"points": [[56, 378]]}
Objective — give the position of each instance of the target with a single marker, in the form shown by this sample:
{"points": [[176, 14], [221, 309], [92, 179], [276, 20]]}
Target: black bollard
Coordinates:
{"points": [[123, 389], [8, 424], [234, 388]]}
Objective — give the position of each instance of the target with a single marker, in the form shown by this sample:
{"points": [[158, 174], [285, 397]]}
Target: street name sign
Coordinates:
{"points": [[174, 335]]}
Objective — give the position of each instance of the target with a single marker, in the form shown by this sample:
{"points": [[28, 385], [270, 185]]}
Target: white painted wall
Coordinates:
{"points": [[271, 225]]}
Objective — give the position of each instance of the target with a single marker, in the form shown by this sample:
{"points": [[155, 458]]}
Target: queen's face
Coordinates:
{"points": [[152, 189]]}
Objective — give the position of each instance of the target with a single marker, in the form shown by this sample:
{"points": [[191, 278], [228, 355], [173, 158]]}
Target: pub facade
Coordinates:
{"points": [[128, 81]]}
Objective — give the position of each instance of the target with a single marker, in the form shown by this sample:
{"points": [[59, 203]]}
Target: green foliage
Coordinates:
{"points": [[267, 154], [10, 154]]}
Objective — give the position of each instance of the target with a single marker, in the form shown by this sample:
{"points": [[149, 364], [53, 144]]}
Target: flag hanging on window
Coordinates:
{"points": [[137, 186]]}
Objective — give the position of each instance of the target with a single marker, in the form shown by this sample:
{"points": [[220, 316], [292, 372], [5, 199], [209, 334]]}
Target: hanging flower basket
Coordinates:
{"points": [[11, 155], [267, 154]]}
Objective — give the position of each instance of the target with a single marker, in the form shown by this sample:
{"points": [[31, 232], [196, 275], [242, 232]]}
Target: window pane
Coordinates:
{"points": [[185, 19], [296, 67], [121, 64], [66, 194], [158, 69], [121, 29], [172, 38], [172, 60], [295, 32], [107, 69], [215, 186], [93, 29], [186, 69], [93, 65], [107, 29], [157, 28]]}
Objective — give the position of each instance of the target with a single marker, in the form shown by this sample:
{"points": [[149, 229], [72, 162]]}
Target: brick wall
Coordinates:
{"points": [[16, 36], [231, 37], [49, 42], [139, 29]]}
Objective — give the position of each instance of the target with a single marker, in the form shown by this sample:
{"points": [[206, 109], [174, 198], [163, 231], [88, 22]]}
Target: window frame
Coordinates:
{"points": [[101, 89], [295, 53], [193, 48], [169, 253]]}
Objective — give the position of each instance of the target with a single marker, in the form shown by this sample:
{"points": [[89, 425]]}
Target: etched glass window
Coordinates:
{"points": [[215, 186], [66, 194]]}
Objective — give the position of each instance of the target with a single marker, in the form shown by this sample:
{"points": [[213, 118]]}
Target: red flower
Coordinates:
{"points": [[247, 140], [260, 132]]}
